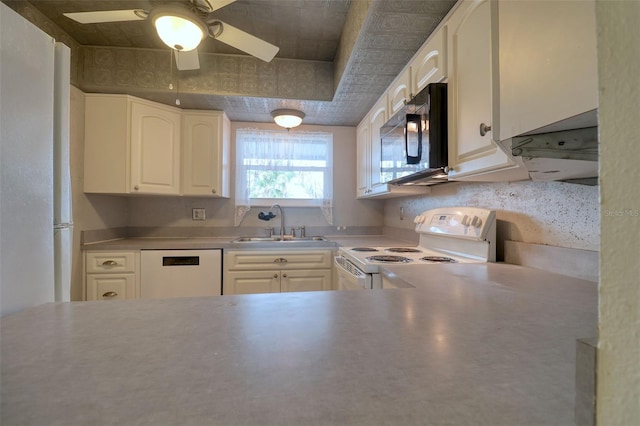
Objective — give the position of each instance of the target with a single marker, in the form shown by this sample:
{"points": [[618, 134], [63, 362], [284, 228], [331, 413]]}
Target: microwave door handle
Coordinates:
{"points": [[410, 158]]}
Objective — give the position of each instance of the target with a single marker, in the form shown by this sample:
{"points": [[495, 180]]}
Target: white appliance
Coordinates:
{"points": [[180, 273], [449, 235], [34, 88]]}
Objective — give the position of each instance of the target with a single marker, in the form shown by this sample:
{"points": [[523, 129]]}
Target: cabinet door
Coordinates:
{"points": [[155, 149], [548, 58], [305, 280], [378, 118], [110, 286], [106, 144], [363, 140], [203, 163], [430, 64], [250, 282], [399, 93], [472, 151]]}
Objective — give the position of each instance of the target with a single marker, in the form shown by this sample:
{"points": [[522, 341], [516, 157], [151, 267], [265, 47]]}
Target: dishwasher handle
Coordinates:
{"points": [[180, 260]]}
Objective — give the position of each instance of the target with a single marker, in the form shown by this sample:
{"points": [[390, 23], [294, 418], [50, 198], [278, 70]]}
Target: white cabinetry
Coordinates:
{"points": [[131, 146], [251, 271], [429, 65], [400, 92], [134, 146], [473, 154], [548, 64], [111, 275], [363, 148], [155, 148], [205, 153]]}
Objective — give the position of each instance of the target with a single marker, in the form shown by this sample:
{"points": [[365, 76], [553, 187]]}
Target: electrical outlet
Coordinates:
{"points": [[198, 214]]}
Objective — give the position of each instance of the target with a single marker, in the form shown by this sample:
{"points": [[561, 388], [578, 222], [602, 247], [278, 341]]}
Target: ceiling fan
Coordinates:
{"points": [[183, 26]]}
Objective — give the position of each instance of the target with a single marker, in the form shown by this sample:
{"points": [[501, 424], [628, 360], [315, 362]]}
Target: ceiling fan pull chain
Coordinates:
{"points": [[170, 70]]}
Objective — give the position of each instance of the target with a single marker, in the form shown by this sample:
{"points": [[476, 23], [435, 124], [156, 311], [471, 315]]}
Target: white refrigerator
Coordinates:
{"points": [[35, 199]]}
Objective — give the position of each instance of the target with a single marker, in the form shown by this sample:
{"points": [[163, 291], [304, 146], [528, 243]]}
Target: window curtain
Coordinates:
{"points": [[283, 151]]}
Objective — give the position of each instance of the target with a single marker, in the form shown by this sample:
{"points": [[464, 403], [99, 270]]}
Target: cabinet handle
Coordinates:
{"points": [[109, 263], [284, 275], [136, 187], [280, 260], [484, 129], [110, 294], [213, 191], [275, 275]]}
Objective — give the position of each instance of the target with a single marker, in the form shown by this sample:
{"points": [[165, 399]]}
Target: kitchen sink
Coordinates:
{"points": [[277, 239]]}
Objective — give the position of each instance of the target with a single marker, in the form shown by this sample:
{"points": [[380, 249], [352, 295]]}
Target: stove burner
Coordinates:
{"points": [[403, 250], [438, 259], [389, 259], [364, 249]]}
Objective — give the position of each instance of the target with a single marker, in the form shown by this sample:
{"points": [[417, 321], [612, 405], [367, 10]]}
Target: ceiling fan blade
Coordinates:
{"points": [[107, 16], [244, 41], [211, 5], [187, 60]]}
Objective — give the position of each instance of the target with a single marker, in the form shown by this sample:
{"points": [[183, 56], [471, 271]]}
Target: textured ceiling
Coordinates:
{"points": [[336, 56]]}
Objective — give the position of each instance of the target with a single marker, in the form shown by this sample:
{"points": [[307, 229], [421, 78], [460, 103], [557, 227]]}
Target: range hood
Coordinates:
{"points": [[556, 153]]}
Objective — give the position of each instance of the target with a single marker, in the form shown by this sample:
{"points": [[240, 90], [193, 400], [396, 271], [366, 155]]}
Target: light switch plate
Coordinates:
{"points": [[198, 214]]}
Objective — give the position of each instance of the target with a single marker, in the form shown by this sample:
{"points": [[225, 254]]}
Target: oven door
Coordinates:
{"points": [[350, 277]]}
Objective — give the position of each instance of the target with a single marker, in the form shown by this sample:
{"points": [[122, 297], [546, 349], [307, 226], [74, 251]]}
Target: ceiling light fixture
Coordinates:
{"points": [[287, 118], [178, 27]]}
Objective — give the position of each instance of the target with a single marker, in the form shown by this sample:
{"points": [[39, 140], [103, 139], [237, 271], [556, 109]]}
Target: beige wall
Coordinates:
{"points": [[176, 211], [618, 394]]}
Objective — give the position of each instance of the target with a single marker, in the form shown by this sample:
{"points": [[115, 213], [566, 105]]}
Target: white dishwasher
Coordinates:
{"points": [[180, 273]]}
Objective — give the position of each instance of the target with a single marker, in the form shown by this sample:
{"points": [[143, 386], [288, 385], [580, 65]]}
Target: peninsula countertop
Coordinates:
{"points": [[478, 344]]}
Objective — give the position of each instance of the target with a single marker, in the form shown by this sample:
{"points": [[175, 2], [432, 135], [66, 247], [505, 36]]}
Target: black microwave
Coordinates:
{"points": [[414, 142]]}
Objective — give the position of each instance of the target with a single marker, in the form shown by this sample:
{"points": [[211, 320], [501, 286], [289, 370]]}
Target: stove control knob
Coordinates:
{"points": [[476, 222], [465, 220]]}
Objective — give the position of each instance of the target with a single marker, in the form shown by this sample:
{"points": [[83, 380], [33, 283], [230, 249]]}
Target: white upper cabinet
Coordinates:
{"points": [[472, 151], [399, 93], [377, 118], [205, 153], [548, 64], [155, 149], [134, 146], [363, 141], [430, 63], [131, 146]]}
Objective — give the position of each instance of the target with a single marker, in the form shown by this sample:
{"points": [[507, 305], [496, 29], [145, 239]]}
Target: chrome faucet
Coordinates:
{"points": [[281, 220]]}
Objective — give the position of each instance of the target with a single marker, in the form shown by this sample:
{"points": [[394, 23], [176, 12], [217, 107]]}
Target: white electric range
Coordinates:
{"points": [[448, 234]]}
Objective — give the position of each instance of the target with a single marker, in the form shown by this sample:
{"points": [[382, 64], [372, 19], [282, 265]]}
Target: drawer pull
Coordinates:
{"points": [[280, 260], [275, 275], [109, 263], [110, 294]]}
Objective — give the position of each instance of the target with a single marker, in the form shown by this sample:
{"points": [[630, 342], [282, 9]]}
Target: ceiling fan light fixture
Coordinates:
{"points": [[287, 118], [178, 28]]}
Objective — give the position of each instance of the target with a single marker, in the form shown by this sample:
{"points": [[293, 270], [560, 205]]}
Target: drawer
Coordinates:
{"points": [[276, 260], [110, 287], [110, 263]]}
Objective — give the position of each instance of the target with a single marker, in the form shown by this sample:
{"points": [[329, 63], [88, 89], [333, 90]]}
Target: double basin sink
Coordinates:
{"points": [[274, 239]]}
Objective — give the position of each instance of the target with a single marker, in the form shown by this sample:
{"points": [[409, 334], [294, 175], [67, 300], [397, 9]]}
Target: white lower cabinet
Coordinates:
{"points": [[111, 286], [252, 271], [112, 275]]}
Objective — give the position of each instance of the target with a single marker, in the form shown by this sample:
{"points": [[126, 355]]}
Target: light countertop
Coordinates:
{"points": [[485, 344], [178, 243]]}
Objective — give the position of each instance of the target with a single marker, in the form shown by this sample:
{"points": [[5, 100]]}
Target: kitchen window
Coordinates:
{"points": [[292, 168]]}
